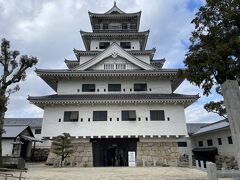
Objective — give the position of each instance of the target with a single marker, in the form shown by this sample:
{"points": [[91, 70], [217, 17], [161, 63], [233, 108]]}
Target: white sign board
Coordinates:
{"points": [[131, 159]]}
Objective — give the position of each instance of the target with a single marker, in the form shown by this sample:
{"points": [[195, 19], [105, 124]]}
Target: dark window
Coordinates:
{"points": [[125, 45], [99, 115], [70, 116], [157, 115], [230, 140], [140, 87], [88, 87], [105, 26], [124, 26], [114, 87], [128, 115], [209, 142], [182, 144], [219, 141], [200, 143], [104, 45], [38, 131]]}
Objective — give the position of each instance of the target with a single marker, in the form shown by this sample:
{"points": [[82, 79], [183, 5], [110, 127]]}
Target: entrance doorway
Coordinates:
{"points": [[112, 151]]}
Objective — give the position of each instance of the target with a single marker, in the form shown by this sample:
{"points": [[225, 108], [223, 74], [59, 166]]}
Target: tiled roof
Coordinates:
{"points": [[12, 131], [31, 122], [213, 127], [113, 97], [194, 127]]}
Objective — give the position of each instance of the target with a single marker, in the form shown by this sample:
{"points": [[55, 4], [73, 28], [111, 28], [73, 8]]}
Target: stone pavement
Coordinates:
{"points": [[41, 172]]}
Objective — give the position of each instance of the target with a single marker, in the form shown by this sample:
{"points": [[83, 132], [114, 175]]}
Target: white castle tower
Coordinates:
{"points": [[116, 98]]}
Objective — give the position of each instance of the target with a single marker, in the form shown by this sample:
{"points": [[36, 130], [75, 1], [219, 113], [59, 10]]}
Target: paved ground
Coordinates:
{"points": [[41, 172]]}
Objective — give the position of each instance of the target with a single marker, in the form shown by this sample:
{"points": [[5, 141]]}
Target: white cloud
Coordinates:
{"points": [[50, 31]]}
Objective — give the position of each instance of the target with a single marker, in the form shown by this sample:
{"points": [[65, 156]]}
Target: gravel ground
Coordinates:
{"points": [[42, 172]]}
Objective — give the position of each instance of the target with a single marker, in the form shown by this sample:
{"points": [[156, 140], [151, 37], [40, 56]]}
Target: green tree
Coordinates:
{"points": [[12, 71], [213, 55], [62, 146]]}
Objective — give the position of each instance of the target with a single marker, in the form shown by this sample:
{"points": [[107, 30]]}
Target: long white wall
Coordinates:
{"points": [[224, 149], [73, 86], [135, 45], [175, 126]]}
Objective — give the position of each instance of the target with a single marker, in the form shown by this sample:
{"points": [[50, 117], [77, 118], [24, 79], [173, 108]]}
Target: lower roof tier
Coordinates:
{"points": [[173, 98]]}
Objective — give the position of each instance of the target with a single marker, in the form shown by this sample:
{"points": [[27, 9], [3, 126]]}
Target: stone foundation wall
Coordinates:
{"points": [[39, 154], [81, 157], [157, 154]]}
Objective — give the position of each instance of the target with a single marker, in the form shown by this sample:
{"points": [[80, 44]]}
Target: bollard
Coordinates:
{"points": [[211, 171], [202, 165], [197, 164]]}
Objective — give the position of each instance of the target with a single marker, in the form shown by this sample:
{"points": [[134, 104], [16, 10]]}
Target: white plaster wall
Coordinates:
{"points": [[224, 149], [135, 45], [156, 85], [176, 126], [44, 144], [117, 60], [7, 147]]}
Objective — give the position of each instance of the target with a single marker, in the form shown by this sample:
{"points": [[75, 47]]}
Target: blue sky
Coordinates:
{"points": [[50, 30]]}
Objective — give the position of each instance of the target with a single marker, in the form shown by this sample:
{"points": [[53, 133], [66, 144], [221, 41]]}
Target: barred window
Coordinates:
{"points": [[140, 87], [157, 115], [129, 115], [99, 115], [114, 87], [70, 116], [88, 87]]}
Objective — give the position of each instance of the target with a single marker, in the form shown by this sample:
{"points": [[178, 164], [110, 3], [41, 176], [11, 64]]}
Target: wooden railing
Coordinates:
{"points": [[12, 173]]}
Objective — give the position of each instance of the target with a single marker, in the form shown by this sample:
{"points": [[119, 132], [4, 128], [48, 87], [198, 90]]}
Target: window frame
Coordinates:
{"points": [[200, 143], [105, 46], [182, 144], [219, 141], [38, 131], [126, 45], [88, 89], [70, 120], [100, 119], [209, 142], [112, 90], [162, 114], [125, 113], [230, 140], [141, 85]]}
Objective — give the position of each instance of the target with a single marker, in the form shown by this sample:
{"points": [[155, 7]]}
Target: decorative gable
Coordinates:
{"points": [[115, 62], [115, 51]]}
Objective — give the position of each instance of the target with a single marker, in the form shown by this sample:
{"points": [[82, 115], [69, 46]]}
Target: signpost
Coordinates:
{"points": [[131, 159]]}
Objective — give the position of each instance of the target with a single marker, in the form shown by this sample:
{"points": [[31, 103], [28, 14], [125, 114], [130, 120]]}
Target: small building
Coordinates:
{"points": [[213, 142], [17, 141], [35, 125], [40, 148]]}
